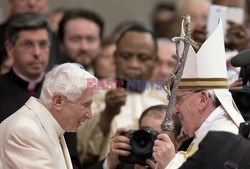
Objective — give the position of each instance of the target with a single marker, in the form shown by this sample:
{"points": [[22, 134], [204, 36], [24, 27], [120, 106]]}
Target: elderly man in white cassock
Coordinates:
{"points": [[32, 137], [203, 101]]}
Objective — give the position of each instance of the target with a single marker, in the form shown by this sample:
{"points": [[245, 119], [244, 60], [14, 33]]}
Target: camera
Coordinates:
{"points": [[141, 142]]}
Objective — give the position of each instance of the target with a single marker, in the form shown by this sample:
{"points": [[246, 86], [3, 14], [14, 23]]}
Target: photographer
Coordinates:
{"points": [[120, 144]]}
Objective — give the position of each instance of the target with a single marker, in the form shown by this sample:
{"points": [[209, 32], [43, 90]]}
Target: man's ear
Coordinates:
{"points": [[204, 100], [9, 48], [58, 101]]}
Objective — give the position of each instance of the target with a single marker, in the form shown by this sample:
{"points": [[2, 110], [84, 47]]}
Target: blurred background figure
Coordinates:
{"points": [[80, 34], [122, 26], [28, 43], [104, 64], [164, 21], [236, 35], [6, 63], [163, 12], [236, 39], [198, 10], [17, 7], [22, 6], [55, 17], [165, 63], [242, 95]]}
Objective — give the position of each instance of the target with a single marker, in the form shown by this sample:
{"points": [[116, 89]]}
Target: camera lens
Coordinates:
{"points": [[142, 142]]}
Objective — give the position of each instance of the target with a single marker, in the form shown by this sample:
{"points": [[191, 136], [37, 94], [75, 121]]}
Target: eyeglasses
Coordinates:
{"points": [[29, 45], [141, 56], [180, 98]]}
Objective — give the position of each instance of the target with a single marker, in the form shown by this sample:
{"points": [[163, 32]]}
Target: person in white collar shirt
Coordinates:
{"points": [[33, 136], [203, 101], [28, 43]]}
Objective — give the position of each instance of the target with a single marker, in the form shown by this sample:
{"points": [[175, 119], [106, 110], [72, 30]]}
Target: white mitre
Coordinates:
{"points": [[206, 69]]}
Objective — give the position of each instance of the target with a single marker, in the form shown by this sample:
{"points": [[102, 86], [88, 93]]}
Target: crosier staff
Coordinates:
{"points": [[172, 82]]}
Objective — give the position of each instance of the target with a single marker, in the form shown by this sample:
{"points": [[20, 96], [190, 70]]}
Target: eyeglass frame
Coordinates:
{"points": [[177, 101], [30, 45]]}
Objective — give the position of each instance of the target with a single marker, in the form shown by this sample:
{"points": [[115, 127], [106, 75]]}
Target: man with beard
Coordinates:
{"points": [[80, 33]]}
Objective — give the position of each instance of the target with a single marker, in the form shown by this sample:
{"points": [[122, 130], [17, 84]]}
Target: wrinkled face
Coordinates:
{"points": [[81, 40], [165, 63], [105, 64], [198, 10], [74, 113], [135, 56], [30, 52], [22, 6], [186, 109]]}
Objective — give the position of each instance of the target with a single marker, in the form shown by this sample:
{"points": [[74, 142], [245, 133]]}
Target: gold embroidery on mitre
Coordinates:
{"points": [[203, 83]]}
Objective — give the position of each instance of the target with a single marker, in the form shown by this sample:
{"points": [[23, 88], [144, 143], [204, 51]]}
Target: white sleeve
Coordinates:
{"points": [[105, 164], [177, 161]]}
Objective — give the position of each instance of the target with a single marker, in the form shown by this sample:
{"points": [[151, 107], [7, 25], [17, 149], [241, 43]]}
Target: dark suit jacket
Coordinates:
{"points": [[210, 155], [14, 94]]}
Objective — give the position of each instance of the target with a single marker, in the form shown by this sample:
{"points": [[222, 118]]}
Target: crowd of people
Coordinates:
{"points": [[51, 116]]}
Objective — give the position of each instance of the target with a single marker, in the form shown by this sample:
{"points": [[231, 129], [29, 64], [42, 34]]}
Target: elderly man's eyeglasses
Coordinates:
{"points": [[180, 98]]}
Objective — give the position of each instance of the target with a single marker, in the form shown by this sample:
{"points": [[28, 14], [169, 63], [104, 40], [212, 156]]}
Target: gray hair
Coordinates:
{"points": [[214, 99], [26, 21], [69, 79]]}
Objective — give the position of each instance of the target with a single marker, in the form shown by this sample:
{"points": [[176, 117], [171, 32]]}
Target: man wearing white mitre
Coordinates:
{"points": [[203, 101]]}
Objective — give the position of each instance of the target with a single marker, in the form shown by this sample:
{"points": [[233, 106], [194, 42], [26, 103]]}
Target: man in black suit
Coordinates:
{"points": [[221, 150], [17, 7], [28, 43]]}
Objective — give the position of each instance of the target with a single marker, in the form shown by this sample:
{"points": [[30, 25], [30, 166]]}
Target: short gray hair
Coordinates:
{"points": [[214, 99], [69, 79], [26, 21]]}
